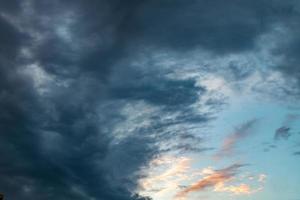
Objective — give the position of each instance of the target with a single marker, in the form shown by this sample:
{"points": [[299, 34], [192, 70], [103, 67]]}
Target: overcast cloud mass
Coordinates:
{"points": [[149, 99]]}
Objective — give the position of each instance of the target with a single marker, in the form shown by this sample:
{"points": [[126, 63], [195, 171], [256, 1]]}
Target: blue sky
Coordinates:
{"points": [[149, 99]]}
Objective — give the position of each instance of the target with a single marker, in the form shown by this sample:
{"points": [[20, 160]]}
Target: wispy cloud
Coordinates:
{"points": [[217, 179], [297, 153], [167, 177], [237, 190], [232, 139], [164, 176], [282, 133]]}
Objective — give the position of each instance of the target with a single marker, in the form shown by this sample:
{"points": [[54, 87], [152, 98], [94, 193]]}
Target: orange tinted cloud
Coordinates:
{"points": [[215, 179], [167, 176], [231, 140], [204, 183]]}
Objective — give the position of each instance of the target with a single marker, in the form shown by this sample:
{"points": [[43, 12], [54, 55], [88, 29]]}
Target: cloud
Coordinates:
{"points": [[216, 179], [237, 190], [54, 143], [289, 51], [164, 175], [282, 133], [297, 153], [62, 104], [241, 132], [262, 178], [160, 91]]}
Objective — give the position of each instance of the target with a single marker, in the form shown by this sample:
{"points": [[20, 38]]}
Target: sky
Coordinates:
{"points": [[150, 99]]}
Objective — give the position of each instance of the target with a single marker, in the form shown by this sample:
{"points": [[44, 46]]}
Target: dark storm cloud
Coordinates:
{"points": [[290, 66], [122, 28], [45, 157], [124, 159], [10, 39], [289, 47], [218, 26], [59, 143], [52, 146], [160, 91], [10, 5]]}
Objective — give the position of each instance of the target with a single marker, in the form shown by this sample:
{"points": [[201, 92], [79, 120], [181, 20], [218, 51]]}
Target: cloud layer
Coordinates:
{"points": [[218, 180], [89, 92]]}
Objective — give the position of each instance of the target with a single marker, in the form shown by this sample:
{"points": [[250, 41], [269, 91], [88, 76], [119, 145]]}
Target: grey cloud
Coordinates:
{"points": [[290, 52], [291, 118], [282, 133], [67, 172], [51, 145], [124, 28], [297, 153], [160, 91], [289, 48]]}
